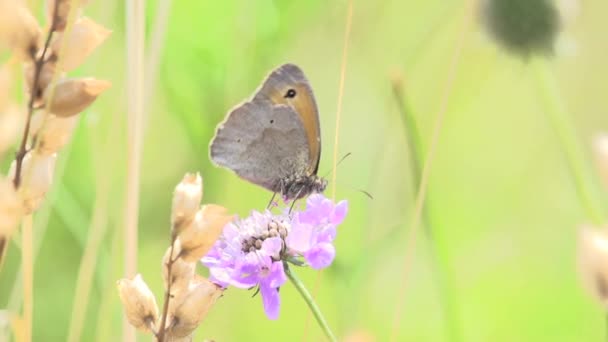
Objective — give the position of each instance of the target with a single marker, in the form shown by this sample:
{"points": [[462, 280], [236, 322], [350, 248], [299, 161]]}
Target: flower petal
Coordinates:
{"points": [[272, 246], [339, 212], [277, 276], [320, 256], [271, 300], [300, 237]]}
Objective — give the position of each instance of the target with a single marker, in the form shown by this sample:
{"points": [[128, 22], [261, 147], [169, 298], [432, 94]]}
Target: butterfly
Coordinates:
{"points": [[274, 139]]}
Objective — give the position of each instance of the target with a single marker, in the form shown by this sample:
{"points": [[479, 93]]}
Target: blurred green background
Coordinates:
{"points": [[504, 209]]}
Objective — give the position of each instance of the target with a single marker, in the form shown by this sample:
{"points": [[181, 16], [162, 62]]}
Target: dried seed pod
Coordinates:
{"points": [[19, 30], [36, 179], [55, 132], [5, 85], [72, 96], [11, 209], [187, 311], [593, 261], [63, 11], [85, 36], [186, 201], [138, 302], [199, 237], [44, 79], [182, 272], [11, 123]]}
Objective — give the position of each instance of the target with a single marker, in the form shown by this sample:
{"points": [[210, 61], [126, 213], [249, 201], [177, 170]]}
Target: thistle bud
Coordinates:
{"points": [[593, 262], [138, 302], [55, 133], [524, 27], [600, 149], [182, 272], [72, 96], [199, 237], [85, 36], [36, 178], [19, 29], [188, 310], [11, 209], [186, 201]]}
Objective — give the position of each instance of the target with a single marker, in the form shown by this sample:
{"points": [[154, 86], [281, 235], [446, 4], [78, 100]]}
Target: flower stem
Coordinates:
{"points": [[570, 144], [310, 302], [440, 264]]}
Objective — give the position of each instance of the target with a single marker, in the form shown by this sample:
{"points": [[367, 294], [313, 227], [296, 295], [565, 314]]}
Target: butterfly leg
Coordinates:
{"points": [[271, 200]]}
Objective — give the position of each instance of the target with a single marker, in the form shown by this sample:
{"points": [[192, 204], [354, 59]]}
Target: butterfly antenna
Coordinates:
{"points": [[338, 163], [366, 193]]}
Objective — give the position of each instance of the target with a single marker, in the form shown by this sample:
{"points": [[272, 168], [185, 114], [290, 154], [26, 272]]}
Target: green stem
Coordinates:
{"points": [[570, 144], [441, 269], [310, 302]]}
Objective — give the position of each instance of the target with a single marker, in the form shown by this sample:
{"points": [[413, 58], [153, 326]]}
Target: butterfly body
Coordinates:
{"points": [[273, 140]]}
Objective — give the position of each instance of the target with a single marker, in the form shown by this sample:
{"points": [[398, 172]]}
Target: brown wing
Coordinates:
{"points": [[288, 85]]}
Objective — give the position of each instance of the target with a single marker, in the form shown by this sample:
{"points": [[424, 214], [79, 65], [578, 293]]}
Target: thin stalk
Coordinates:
{"points": [[334, 174], [571, 146], [160, 336], [27, 259], [97, 232], [426, 169], [135, 18], [440, 265], [314, 308]]}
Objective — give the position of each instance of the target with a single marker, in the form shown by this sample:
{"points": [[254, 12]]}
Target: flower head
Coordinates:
{"points": [[251, 251]]}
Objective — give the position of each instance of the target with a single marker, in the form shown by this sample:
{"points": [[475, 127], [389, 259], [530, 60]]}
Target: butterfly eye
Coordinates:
{"points": [[290, 94]]}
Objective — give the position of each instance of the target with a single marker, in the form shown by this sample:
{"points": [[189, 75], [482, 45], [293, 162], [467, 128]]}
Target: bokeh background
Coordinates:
{"points": [[502, 203]]}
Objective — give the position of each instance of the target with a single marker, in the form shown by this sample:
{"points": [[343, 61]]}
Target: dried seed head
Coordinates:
{"points": [[36, 179], [181, 271], [600, 149], [11, 209], [85, 36], [55, 132], [11, 121], [593, 261], [19, 29], [186, 201], [44, 79], [72, 96], [199, 237], [187, 311], [138, 302]]}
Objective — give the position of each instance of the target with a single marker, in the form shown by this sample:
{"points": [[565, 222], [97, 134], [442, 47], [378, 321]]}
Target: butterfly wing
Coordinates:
{"points": [[262, 143], [287, 85]]}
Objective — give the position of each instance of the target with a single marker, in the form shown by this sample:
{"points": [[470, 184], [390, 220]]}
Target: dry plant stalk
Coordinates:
{"points": [[52, 110], [188, 296], [50, 116]]}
